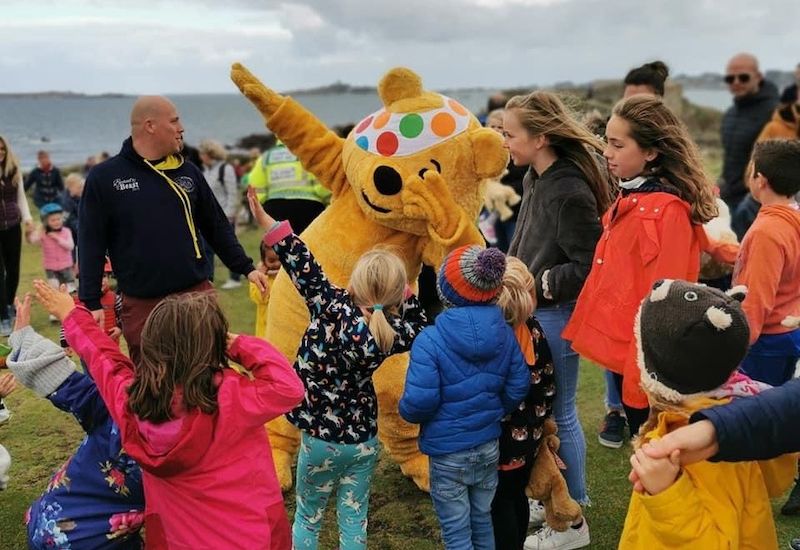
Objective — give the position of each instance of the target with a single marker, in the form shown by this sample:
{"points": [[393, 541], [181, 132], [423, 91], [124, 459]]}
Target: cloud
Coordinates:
{"points": [[182, 46]]}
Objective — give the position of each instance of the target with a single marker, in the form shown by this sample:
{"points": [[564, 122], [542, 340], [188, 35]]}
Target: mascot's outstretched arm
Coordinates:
{"points": [[314, 144]]}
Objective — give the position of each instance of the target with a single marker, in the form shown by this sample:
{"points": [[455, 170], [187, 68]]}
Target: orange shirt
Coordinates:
{"points": [[769, 266]]}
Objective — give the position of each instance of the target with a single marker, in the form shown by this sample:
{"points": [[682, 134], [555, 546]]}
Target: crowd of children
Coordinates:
{"points": [[604, 263]]}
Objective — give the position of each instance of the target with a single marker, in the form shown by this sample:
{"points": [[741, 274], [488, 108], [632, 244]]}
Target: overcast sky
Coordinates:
{"points": [[183, 46]]}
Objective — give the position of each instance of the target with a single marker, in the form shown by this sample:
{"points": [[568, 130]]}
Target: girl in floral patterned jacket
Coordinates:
{"points": [[95, 500], [352, 331]]}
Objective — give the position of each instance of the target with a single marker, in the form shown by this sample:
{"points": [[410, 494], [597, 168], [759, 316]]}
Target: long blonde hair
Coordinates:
{"points": [[379, 279], [183, 347], [544, 114], [516, 297], [9, 168], [678, 163]]}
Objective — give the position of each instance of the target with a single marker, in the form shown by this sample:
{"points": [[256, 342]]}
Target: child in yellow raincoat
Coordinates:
{"points": [[690, 340]]}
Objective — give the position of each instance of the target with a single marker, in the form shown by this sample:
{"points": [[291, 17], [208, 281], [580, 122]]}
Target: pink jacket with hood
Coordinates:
{"points": [[208, 478]]}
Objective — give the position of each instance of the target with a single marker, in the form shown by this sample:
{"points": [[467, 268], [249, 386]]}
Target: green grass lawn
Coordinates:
{"points": [[40, 438]]}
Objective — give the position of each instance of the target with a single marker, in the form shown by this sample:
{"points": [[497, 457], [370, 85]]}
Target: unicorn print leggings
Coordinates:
{"points": [[326, 469]]}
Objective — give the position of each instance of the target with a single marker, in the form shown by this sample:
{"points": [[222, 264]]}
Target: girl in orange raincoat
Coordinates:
{"points": [[653, 231]]}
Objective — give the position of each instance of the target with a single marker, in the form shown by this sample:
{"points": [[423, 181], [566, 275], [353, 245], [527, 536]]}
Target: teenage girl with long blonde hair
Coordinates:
{"points": [[565, 192]]}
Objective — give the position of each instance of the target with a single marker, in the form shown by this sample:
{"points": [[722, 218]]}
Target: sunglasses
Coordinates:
{"points": [[744, 78]]}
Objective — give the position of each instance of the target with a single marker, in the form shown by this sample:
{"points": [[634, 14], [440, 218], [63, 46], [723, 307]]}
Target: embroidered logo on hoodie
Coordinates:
{"points": [[186, 182], [130, 184]]}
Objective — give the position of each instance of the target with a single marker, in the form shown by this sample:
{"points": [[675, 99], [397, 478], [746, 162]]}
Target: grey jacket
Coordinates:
{"points": [[557, 230]]}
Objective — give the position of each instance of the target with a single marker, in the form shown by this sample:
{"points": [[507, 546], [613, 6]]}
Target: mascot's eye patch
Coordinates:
{"points": [[387, 181]]}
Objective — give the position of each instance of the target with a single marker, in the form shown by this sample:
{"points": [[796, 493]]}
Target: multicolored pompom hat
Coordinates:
{"points": [[471, 275], [401, 134]]}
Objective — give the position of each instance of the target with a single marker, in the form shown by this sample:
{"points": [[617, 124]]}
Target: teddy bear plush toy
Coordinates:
{"points": [[499, 198], [410, 176], [547, 485]]}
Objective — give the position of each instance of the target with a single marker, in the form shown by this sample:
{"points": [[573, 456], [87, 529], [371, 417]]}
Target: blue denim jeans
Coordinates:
{"points": [[462, 489], [613, 400], [573, 444]]}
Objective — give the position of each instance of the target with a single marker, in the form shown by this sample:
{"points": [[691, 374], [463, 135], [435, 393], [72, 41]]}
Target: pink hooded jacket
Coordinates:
{"points": [[208, 479], [56, 248]]}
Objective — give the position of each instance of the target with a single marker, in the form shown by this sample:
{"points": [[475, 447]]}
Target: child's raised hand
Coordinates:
{"points": [[115, 333], [7, 384], [56, 302], [655, 474], [23, 312], [264, 220]]}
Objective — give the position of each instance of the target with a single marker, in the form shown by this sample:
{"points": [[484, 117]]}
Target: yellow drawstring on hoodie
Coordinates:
{"points": [[170, 163]]}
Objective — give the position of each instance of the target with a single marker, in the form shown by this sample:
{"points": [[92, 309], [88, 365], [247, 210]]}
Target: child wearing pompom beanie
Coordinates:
{"points": [[465, 374]]}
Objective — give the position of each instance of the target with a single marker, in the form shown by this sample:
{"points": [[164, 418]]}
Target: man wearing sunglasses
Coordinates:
{"points": [[754, 100]]}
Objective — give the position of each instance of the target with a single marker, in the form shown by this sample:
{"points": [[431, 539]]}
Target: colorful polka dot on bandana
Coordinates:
{"points": [[401, 134]]}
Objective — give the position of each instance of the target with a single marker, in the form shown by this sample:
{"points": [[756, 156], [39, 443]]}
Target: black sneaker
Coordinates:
{"points": [[613, 433], [792, 505], [794, 544]]}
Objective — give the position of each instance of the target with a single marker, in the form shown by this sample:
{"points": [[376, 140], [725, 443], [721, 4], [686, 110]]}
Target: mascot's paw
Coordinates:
{"points": [[266, 100], [283, 467], [416, 468], [429, 198]]}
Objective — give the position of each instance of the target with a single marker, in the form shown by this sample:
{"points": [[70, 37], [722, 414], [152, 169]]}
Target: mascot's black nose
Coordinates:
{"points": [[387, 180]]}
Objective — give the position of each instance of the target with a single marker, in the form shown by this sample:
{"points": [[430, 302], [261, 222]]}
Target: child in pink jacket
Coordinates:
{"points": [[57, 244], [195, 427]]}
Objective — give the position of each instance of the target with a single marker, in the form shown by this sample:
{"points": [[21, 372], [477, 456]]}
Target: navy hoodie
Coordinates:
{"points": [[131, 211]]}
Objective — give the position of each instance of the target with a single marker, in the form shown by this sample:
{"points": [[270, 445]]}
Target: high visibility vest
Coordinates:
{"points": [[279, 175]]}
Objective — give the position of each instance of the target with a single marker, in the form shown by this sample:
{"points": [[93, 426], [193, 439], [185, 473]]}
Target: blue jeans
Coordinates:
{"points": [[573, 444], [462, 488], [613, 400]]}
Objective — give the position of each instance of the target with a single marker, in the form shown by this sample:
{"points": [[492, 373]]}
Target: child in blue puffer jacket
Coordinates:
{"points": [[466, 373]]}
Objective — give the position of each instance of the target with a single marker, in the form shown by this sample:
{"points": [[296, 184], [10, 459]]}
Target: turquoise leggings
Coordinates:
{"points": [[325, 468]]}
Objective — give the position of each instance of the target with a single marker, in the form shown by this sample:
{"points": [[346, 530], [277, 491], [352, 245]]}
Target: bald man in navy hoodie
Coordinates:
{"points": [[149, 211]]}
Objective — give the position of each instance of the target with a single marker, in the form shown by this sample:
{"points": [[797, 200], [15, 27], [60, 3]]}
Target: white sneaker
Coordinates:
{"points": [[548, 539], [52, 318], [537, 515], [230, 283], [5, 414]]}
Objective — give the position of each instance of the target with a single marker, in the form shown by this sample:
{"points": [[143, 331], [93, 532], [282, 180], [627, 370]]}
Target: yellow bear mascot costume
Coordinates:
{"points": [[408, 176]]}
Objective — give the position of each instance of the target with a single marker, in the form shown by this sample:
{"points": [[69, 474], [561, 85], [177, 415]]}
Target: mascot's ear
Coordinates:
{"points": [[490, 156], [398, 84]]}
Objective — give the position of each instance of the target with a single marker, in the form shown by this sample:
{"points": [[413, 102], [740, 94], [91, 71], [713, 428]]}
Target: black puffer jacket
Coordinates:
{"points": [[741, 124], [557, 230]]}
